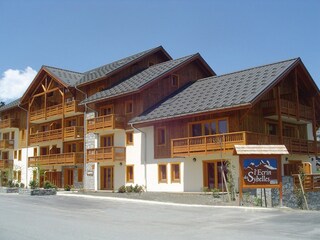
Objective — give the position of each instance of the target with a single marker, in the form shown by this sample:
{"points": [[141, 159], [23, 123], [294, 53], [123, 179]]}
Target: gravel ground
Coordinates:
{"points": [[183, 198]]}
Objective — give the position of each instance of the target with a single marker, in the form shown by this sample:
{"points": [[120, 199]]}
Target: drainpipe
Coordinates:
{"points": [[145, 154], [84, 140], [27, 140]]}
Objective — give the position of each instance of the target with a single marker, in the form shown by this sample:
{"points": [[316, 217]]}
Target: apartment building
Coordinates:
{"points": [[168, 124]]}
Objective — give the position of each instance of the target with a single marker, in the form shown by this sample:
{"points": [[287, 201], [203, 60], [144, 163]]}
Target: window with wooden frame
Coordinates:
{"points": [[129, 107], [162, 173], [14, 174], [19, 155], [175, 172], [107, 110], [44, 150], [80, 175], [34, 175], [175, 80], [6, 136], [208, 127], [271, 128], [106, 141], [129, 173], [71, 122], [15, 154], [19, 176], [129, 138], [12, 135], [161, 136], [23, 135], [35, 152], [290, 130]]}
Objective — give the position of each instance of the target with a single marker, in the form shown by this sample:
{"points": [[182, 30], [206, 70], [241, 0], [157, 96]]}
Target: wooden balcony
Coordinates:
{"points": [[45, 136], [5, 143], [9, 123], [311, 182], [72, 133], [56, 159], [106, 154], [203, 145], [111, 121], [55, 110], [288, 108], [6, 163]]}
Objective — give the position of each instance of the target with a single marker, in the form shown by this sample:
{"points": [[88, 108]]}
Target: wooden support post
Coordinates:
{"points": [[314, 129]]}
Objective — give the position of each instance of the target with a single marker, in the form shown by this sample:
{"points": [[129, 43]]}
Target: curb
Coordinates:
{"points": [[161, 203]]}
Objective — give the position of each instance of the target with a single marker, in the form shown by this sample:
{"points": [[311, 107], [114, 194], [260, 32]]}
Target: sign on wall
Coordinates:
{"points": [[260, 171]]}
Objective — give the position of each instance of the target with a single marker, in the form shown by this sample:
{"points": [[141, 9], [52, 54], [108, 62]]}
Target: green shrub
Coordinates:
{"points": [[215, 193], [122, 189], [67, 187], [22, 185], [17, 185], [129, 189], [10, 184], [33, 184], [49, 185]]}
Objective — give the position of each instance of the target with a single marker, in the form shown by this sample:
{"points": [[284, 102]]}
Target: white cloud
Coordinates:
{"points": [[14, 83]]}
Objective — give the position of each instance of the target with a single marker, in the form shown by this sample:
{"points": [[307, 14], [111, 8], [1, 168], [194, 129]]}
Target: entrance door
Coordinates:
{"points": [[106, 178], [212, 177], [68, 176], [55, 178]]}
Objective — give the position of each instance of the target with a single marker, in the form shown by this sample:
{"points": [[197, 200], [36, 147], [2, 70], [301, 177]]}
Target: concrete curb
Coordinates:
{"points": [[161, 203]]}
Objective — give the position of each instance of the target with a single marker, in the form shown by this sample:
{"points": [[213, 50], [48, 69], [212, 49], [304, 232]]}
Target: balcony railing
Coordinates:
{"points": [[6, 143], [55, 110], [46, 136], [111, 121], [204, 145], [9, 123], [56, 159], [74, 132], [106, 154], [288, 108], [6, 163], [311, 182]]}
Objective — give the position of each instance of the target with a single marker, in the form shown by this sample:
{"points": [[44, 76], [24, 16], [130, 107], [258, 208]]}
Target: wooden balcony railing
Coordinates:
{"points": [[111, 121], [288, 108], [106, 154], [6, 163], [9, 123], [73, 132], [55, 110], [45, 136], [5, 143], [311, 182], [204, 145], [57, 159]]}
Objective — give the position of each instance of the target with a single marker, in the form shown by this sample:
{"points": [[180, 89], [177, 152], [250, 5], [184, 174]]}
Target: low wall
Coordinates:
{"points": [[38, 192], [8, 190]]}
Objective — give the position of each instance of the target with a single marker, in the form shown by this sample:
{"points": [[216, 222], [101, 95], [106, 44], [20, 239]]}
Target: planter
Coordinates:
{"points": [[9, 190], [38, 192]]}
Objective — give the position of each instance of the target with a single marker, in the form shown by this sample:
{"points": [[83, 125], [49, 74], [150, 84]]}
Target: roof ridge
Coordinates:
{"points": [[251, 68], [173, 60], [143, 52], [61, 69]]}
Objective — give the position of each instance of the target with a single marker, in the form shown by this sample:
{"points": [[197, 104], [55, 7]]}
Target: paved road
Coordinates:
{"points": [[67, 217]]}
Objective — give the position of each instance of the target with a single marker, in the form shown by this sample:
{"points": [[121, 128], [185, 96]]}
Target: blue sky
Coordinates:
{"points": [[82, 34]]}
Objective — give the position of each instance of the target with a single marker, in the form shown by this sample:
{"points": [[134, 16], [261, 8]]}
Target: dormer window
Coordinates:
{"points": [[129, 107], [175, 81]]}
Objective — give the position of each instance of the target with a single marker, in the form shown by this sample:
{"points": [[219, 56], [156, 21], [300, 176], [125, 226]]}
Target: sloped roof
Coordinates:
{"points": [[104, 70], [214, 93], [139, 80], [70, 78], [10, 105]]}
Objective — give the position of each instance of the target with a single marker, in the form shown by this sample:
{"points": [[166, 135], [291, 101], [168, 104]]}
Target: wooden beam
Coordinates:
{"points": [[279, 113], [297, 93], [48, 91], [314, 127]]}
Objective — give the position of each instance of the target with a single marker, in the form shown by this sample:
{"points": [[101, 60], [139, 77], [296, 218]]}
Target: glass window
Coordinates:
{"points": [[129, 173], [162, 173], [272, 129], [175, 172], [161, 132], [223, 128], [196, 130], [129, 136]]}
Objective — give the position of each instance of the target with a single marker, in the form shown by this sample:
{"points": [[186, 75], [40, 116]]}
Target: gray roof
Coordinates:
{"points": [[70, 78], [139, 80], [10, 105], [104, 70], [219, 92]]}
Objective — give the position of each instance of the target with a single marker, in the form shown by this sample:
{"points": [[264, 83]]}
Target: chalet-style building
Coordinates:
{"points": [[167, 124]]}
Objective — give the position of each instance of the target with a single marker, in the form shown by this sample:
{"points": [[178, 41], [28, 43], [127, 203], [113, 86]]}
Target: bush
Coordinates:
{"points": [[215, 193], [138, 189], [129, 189], [17, 185], [49, 185], [33, 184], [22, 185], [10, 184], [67, 187], [122, 189]]}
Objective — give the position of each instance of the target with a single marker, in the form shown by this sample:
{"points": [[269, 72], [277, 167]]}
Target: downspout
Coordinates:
{"points": [[27, 143], [145, 155], [85, 133]]}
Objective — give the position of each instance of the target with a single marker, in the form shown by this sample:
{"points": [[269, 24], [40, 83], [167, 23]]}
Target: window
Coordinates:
{"points": [[106, 110], [129, 136], [129, 174], [175, 81], [290, 131], [34, 175], [35, 152], [175, 172], [106, 141], [19, 176], [71, 122], [271, 128], [15, 174], [22, 134], [12, 135], [129, 107], [80, 175], [161, 136], [19, 155], [15, 154], [162, 173], [209, 127]]}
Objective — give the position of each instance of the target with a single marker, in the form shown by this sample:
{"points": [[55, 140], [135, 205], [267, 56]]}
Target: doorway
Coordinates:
{"points": [[68, 177], [106, 178], [212, 177]]}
